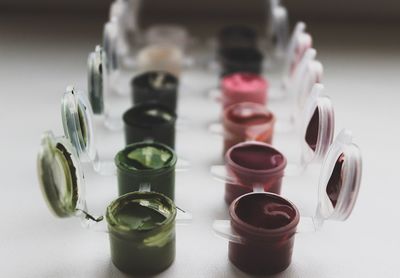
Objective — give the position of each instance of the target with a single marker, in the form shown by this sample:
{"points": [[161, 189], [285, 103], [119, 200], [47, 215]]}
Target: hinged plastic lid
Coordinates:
{"points": [[299, 42], [311, 74], [76, 114], [340, 179], [318, 126], [110, 44], [278, 26], [95, 80], [60, 176], [301, 70]]}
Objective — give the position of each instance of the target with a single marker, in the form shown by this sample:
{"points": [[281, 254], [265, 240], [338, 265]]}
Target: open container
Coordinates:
{"points": [[262, 226], [246, 121], [155, 86], [141, 224], [150, 122]]}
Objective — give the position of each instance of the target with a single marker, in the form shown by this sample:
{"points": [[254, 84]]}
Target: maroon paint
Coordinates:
{"points": [[254, 163], [267, 224]]}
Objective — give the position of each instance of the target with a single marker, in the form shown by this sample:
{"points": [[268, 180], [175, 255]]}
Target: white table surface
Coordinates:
{"points": [[39, 56]]}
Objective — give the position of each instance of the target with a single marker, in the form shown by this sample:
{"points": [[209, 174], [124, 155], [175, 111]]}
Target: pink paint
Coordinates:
{"points": [[254, 164], [243, 87], [247, 121]]}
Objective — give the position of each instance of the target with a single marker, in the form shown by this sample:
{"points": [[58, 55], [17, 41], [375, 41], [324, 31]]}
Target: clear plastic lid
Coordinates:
{"points": [[60, 176], [278, 26], [340, 179], [298, 44], [110, 44], [76, 114], [96, 79], [126, 13], [312, 74], [318, 126]]}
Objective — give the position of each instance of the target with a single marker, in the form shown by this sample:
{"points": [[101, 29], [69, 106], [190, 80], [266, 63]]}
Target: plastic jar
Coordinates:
{"points": [[146, 164], [141, 229], [267, 225], [254, 164]]}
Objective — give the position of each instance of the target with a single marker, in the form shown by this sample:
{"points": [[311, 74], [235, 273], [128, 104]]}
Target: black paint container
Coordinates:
{"points": [[155, 86], [234, 36], [243, 59], [150, 122]]}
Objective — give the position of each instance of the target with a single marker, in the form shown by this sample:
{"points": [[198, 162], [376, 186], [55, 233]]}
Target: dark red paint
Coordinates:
{"points": [[267, 224], [312, 130], [254, 163], [335, 181], [247, 121]]}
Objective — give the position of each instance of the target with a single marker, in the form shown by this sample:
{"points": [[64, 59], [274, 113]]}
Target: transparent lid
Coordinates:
{"points": [[60, 176], [318, 126], [278, 26], [311, 74], [76, 114], [110, 44], [126, 13], [340, 179], [299, 42], [95, 80]]}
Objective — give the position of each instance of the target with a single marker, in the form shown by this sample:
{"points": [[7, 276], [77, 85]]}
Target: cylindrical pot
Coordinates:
{"points": [[165, 57], [150, 121], [243, 87], [156, 87], [240, 59], [141, 229], [254, 164], [235, 36], [267, 224], [144, 165], [247, 121]]}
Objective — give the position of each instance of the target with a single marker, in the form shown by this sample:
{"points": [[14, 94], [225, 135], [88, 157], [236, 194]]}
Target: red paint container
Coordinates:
{"points": [[243, 87], [254, 164], [247, 121], [266, 224]]}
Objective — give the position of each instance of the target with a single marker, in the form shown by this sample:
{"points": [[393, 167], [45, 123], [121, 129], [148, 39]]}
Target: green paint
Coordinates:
{"points": [[149, 157], [142, 232], [83, 136], [146, 163], [137, 215]]}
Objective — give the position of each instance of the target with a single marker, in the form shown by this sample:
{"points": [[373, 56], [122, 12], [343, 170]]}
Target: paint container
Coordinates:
{"points": [[161, 57], [156, 87], [247, 121], [237, 36], [261, 233], [148, 164], [150, 121], [142, 232], [243, 87], [167, 34], [254, 165], [243, 59]]}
